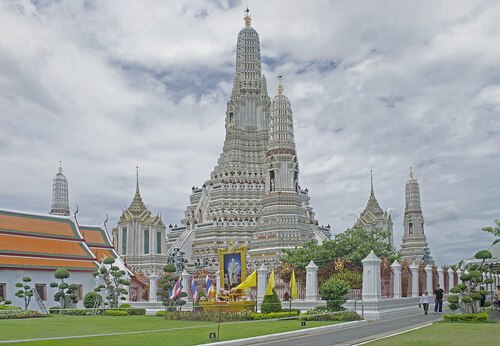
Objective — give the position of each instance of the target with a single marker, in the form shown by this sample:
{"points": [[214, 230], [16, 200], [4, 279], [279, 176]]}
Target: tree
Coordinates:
{"points": [[271, 303], [114, 282], [25, 291], [495, 230], [92, 300], [465, 296], [353, 245], [334, 291], [66, 294], [166, 285]]}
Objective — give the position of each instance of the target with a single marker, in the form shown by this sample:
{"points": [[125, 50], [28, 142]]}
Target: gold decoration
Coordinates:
{"points": [[339, 264], [248, 18]]}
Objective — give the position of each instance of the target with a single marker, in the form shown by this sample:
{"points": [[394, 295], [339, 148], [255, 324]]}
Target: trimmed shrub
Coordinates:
{"points": [[271, 303], [115, 313], [92, 299], [334, 291], [22, 314], [124, 306], [453, 299], [136, 311], [482, 317], [331, 316], [9, 307]]}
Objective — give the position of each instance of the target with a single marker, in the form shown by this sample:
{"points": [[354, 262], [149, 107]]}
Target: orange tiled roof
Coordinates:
{"points": [[12, 222], [100, 254], [23, 262], [95, 236], [13, 244]]}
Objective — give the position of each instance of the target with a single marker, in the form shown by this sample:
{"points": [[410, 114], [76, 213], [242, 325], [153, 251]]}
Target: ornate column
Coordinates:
{"points": [[185, 281], [440, 277], [414, 279], [451, 279], [459, 274], [217, 281], [371, 277], [312, 281], [396, 268], [153, 287], [261, 281], [428, 284]]}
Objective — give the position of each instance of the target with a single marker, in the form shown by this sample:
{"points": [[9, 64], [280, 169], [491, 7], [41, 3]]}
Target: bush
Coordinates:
{"points": [[9, 307], [115, 313], [482, 317], [271, 303], [453, 299], [124, 306], [92, 299], [319, 315], [22, 314], [334, 291], [136, 311]]}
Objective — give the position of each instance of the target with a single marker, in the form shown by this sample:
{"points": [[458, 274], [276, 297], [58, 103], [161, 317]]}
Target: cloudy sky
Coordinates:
{"points": [[104, 86]]}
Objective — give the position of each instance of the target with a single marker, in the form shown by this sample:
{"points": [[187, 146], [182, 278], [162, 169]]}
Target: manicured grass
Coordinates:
{"points": [[446, 334], [183, 332]]}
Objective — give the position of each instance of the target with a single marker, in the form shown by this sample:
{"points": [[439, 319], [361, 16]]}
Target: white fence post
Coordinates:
{"points": [[261, 282], [440, 272], [371, 277], [396, 268], [414, 279], [428, 272], [153, 287], [312, 281], [451, 279], [185, 281]]}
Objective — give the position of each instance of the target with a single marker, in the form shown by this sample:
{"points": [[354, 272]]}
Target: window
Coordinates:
{"points": [[42, 291], [124, 240], [79, 292], [158, 242], [3, 291], [146, 241]]}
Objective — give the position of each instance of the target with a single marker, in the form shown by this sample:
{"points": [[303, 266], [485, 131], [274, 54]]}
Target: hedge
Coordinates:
{"points": [[482, 317], [116, 313], [212, 316], [23, 314], [332, 316]]}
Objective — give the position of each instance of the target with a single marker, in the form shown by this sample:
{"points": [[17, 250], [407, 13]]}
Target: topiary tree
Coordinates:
{"points": [[114, 282], [334, 291], [465, 296], [66, 294], [4, 302], [92, 300], [25, 291], [271, 303], [166, 285]]}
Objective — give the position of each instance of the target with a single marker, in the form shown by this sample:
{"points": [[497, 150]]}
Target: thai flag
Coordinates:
{"points": [[194, 290], [208, 283], [177, 289]]}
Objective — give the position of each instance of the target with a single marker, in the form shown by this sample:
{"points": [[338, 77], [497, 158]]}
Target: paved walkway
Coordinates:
{"points": [[351, 335]]}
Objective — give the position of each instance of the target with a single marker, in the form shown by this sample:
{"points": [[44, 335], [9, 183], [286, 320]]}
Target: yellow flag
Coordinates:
{"points": [[270, 285], [293, 286], [250, 281]]}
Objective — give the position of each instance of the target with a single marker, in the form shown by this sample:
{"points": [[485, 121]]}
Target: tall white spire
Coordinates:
{"points": [[414, 240], [60, 204]]}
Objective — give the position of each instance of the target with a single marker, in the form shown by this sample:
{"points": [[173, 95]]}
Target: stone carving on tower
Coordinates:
{"points": [[139, 238], [60, 204], [374, 217], [414, 240], [253, 195]]}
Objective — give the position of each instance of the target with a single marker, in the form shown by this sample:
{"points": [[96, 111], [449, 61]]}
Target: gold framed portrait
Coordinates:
{"points": [[232, 266]]}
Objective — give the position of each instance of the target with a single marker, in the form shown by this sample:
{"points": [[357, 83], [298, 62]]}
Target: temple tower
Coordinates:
{"points": [[139, 238], [414, 240], [229, 206], [60, 204], [374, 217]]}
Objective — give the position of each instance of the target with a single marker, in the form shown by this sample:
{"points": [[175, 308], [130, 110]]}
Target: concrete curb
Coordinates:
{"points": [[279, 336]]}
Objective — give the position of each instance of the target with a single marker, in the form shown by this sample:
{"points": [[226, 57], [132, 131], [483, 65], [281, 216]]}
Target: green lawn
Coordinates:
{"points": [[447, 334], [163, 331]]}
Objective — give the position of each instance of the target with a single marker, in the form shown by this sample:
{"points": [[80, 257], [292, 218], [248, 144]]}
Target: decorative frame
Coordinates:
{"points": [[225, 255]]}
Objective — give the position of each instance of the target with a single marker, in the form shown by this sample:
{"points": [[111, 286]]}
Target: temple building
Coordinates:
{"points": [[253, 196], [374, 217], [139, 238], [60, 204], [414, 245]]}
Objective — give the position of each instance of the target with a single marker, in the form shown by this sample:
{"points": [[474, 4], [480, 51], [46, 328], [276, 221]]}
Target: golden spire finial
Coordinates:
{"points": [[280, 86], [248, 18], [60, 166]]}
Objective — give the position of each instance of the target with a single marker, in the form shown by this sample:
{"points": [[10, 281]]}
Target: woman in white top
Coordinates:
{"points": [[425, 300]]}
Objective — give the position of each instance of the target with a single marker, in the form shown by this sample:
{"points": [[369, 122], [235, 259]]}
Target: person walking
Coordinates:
{"points": [[438, 300], [425, 300]]}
